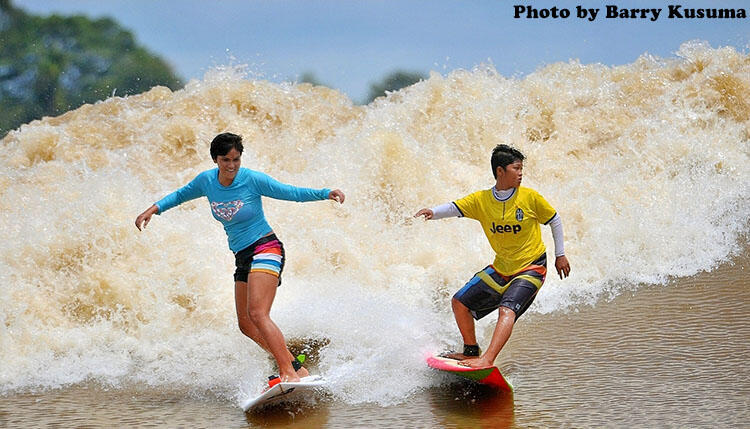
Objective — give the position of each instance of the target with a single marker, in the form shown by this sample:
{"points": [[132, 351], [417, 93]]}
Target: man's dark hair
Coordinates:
{"points": [[503, 155], [223, 143]]}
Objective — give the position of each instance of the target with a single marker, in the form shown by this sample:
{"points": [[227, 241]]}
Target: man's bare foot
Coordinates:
{"points": [[476, 362], [455, 355]]}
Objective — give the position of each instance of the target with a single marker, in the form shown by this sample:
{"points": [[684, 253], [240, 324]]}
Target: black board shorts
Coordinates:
{"points": [[489, 290], [265, 255]]}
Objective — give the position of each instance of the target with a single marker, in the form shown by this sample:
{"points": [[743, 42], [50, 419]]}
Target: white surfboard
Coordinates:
{"points": [[285, 391]]}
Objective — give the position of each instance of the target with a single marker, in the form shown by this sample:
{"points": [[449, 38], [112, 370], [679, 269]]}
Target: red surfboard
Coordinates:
{"points": [[489, 375]]}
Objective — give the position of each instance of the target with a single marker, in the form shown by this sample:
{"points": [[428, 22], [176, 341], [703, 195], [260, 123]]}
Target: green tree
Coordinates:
{"points": [[49, 65], [393, 82], [311, 78]]}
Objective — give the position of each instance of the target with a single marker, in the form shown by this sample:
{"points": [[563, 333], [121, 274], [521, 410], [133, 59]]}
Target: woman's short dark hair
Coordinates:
{"points": [[504, 155], [223, 143]]}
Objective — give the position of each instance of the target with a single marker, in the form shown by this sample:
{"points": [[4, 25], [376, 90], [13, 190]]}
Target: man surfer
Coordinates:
{"points": [[510, 216]]}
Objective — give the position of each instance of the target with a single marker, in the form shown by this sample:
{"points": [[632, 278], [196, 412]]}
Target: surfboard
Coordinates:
{"points": [[285, 392], [489, 375]]}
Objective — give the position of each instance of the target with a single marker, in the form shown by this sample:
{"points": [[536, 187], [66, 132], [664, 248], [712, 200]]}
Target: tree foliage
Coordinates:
{"points": [[49, 65], [393, 82], [311, 78]]}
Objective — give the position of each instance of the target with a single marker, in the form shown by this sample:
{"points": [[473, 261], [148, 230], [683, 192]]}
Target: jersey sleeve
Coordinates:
{"points": [[191, 191], [544, 211], [270, 187], [468, 205]]}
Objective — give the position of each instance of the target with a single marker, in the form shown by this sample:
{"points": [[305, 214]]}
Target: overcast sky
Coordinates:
{"points": [[350, 44]]}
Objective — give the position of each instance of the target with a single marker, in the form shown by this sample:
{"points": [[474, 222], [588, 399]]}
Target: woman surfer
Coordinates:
{"points": [[234, 194]]}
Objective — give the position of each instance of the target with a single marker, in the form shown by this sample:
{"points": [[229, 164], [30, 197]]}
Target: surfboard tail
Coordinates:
{"points": [[489, 376]]}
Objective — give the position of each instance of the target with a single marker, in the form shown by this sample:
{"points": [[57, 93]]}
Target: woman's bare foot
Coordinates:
{"points": [[285, 377], [302, 372]]}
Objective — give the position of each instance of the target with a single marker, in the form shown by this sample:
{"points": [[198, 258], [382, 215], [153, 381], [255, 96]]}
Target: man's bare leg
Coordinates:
{"points": [[504, 327]]}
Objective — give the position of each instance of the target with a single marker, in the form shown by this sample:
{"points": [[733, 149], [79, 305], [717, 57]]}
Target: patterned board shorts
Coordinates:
{"points": [[489, 290], [266, 255]]}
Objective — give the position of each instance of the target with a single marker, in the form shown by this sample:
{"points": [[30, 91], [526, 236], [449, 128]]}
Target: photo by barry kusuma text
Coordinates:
{"points": [[612, 11]]}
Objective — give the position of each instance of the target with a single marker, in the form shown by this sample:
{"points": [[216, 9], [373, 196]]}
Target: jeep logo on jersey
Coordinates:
{"points": [[519, 215], [500, 229]]}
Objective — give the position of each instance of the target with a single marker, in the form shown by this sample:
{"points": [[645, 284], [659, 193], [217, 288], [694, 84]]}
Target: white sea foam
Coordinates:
{"points": [[646, 163]]}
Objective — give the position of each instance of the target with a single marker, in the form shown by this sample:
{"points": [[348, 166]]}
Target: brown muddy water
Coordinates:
{"points": [[662, 356]]}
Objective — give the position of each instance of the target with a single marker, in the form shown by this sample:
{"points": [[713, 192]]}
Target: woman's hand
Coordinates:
{"points": [[337, 195], [145, 217], [427, 213]]}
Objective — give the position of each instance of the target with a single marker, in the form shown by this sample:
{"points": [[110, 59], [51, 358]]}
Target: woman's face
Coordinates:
{"points": [[229, 165]]}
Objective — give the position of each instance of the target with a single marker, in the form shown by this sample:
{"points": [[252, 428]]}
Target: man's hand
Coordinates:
{"points": [[427, 213], [563, 266]]}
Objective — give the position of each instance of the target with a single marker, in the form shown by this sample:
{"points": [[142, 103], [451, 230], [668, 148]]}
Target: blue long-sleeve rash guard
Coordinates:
{"points": [[238, 206]]}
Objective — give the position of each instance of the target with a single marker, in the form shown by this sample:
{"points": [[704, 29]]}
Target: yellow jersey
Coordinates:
{"points": [[511, 226]]}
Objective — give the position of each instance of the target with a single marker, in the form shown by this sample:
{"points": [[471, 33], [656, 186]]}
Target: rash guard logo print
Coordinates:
{"points": [[226, 210]]}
